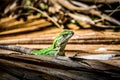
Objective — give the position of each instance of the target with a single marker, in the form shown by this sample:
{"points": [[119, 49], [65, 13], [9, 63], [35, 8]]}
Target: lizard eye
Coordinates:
{"points": [[64, 35]]}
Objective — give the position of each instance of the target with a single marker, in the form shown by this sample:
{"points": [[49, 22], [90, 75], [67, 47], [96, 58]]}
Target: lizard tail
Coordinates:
{"points": [[17, 48]]}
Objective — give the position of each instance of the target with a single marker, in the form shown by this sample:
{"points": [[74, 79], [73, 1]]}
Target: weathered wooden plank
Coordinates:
{"points": [[77, 39], [80, 49], [40, 66]]}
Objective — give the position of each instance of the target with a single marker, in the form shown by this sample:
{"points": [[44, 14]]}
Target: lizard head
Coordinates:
{"points": [[63, 37], [61, 40]]}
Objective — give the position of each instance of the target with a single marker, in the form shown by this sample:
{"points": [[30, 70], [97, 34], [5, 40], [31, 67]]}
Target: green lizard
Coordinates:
{"points": [[57, 48]]}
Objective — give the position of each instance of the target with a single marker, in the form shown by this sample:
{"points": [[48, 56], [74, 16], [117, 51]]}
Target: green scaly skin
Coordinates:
{"points": [[57, 48]]}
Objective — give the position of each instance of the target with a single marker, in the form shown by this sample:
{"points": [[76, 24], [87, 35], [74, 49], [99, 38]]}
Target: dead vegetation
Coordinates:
{"points": [[63, 12], [28, 22]]}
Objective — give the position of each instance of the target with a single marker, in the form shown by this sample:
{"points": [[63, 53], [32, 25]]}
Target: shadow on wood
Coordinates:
{"points": [[31, 67]]}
